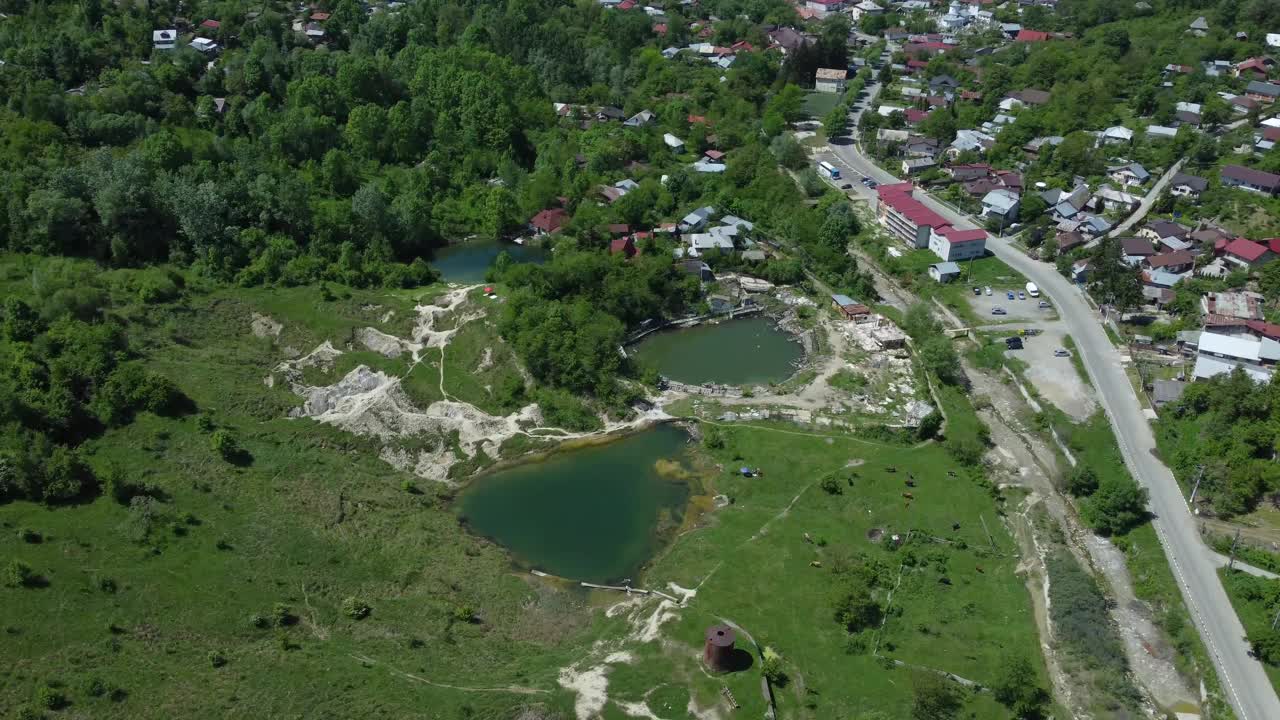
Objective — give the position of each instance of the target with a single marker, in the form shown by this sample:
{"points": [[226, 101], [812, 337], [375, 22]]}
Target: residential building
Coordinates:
{"points": [[952, 245], [1130, 175], [1250, 179], [1068, 241], [1169, 234], [1164, 392], [673, 142], [1187, 186], [944, 272], [915, 166], [1244, 305], [696, 219], [1263, 92], [906, 217], [625, 246], [166, 39], [1135, 250], [1000, 203], [823, 7], [640, 119], [1217, 354], [1247, 254], [1177, 262], [549, 221], [830, 80], [866, 8], [1115, 135], [204, 45]]}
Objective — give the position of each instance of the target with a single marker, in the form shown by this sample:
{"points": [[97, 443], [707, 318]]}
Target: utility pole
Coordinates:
{"points": [[1231, 564], [1275, 620], [1196, 487]]}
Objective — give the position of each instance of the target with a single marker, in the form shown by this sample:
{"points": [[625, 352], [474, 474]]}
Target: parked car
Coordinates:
{"points": [[846, 186], [1061, 352], [977, 291], [998, 311], [1009, 294], [988, 290], [1022, 295], [1013, 343], [1045, 304], [872, 183]]}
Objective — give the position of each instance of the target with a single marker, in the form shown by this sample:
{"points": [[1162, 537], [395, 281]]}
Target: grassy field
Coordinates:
{"points": [[772, 560], [818, 104], [235, 588], [912, 269]]}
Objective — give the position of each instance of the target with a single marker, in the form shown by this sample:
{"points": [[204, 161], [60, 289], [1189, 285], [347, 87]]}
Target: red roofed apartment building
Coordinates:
{"points": [[919, 227]]}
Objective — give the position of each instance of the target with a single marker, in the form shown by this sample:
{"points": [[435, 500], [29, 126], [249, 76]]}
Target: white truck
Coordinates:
{"points": [[1032, 290]]}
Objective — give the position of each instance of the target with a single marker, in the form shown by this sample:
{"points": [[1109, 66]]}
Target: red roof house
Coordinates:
{"points": [[624, 245], [320, 16], [713, 155], [549, 221], [619, 229], [914, 116], [211, 24], [1031, 36], [1247, 252]]}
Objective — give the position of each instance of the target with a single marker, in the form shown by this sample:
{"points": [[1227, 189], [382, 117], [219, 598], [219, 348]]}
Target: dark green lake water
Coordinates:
{"points": [[467, 262], [590, 514], [734, 352]]}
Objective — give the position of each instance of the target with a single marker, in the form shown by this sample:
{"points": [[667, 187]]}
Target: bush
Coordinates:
{"points": [[831, 486], [355, 608], [282, 615], [225, 444], [771, 667], [50, 698], [1083, 481], [1018, 689], [19, 574], [27, 535], [217, 659], [855, 609], [1117, 507]]}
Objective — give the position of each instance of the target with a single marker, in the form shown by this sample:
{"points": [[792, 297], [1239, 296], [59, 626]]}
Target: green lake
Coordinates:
{"points": [[747, 351], [596, 513], [467, 262]]}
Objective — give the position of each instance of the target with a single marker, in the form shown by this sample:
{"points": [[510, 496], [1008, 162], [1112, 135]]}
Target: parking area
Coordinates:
{"points": [[1055, 378], [1016, 310]]}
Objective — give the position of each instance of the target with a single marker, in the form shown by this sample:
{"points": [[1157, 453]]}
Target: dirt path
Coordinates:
{"points": [[515, 689], [1026, 461]]}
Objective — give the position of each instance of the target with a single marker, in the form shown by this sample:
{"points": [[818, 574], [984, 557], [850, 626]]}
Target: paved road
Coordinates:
{"points": [[1246, 685], [1149, 200]]}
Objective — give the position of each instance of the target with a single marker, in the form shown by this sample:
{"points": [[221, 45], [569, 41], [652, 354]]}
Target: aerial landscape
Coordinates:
{"points": [[602, 359]]}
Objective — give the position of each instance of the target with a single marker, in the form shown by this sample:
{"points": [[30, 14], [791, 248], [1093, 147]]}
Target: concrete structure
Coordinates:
{"points": [[717, 652]]}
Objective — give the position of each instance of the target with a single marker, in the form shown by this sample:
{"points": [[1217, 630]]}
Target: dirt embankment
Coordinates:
{"points": [[1019, 457]]}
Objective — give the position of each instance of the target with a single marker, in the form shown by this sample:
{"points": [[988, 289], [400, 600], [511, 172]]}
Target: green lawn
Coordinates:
{"points": [[912, 269], [769, 586], [818, 104]]}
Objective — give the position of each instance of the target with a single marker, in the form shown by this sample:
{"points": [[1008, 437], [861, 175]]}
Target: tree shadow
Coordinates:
{"points": [[843, 140]]}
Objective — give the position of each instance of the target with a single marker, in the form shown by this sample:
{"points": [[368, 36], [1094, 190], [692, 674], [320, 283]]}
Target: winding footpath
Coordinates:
{"points": [[1244, 682]]}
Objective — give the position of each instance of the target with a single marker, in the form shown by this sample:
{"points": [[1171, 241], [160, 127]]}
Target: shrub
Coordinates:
{"points": [[831, 486], [19, 574], [355, 608], [854, 608], [771, 667], [1018, 689], [27, 535], [217, 659], [464, 613], [50, 698], [1266, 645], [225, 444], [1117, 507], [282, 615], [1083, 481]]}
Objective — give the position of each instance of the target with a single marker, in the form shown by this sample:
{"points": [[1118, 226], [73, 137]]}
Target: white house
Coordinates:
{"points": [[673, 142], [952, 245], [164, 39], [1130, 175], [830, 80], [1116, 134], [866, 8], [640, 119], [697, 218], [1000, 203], [204, 45]]}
